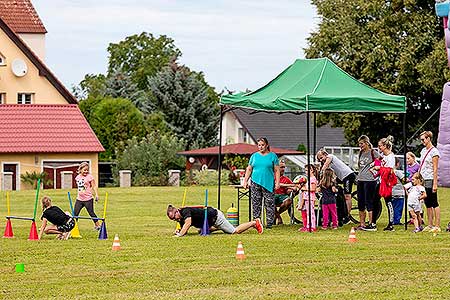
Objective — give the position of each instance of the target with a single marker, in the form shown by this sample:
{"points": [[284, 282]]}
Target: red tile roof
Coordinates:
{"points": [[45, 128], [240, 148], [21, 16]]}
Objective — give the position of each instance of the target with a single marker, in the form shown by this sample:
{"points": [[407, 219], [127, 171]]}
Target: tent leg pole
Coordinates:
{"points": [[308, 159], [219, 160], [314, 134], [405, 166]]}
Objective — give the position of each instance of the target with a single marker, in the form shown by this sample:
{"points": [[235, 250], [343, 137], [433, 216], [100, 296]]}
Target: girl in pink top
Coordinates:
{"points": [[86, 186], [307, 202]]}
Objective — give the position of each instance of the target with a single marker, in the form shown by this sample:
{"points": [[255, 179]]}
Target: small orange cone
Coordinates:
{"points": [[240, 251], [116, 243], [352, 236]]}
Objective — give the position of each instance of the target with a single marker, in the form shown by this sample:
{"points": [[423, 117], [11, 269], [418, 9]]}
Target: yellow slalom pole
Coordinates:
{"points": [[104, 207], [184, 197], [178, 226], [8, 205]]}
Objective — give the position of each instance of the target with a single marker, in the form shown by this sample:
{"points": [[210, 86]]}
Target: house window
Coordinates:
{"points": [[242, 135], [2, 98], [24, 98]]}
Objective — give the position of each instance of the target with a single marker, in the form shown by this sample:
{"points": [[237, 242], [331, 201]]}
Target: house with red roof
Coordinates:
{"points": [[41, 127]]}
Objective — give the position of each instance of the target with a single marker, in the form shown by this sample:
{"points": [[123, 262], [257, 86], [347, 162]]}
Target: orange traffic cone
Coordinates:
{"points": [[352, 236], [116, 243], [33, 232], [8, 230], [240, 251]]}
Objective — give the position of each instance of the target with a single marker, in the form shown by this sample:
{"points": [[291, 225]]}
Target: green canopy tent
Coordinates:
{"points": [[313, 85], [316, 85]]}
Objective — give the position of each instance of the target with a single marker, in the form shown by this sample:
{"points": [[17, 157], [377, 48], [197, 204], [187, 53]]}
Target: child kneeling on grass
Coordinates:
{"points": [[62, 223], [416, 193]]}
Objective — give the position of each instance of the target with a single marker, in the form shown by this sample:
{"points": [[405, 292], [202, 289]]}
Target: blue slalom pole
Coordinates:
{"points": [[205, 229]]}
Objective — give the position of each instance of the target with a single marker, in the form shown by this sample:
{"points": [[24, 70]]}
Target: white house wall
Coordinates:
{"points": [[230, 128]]}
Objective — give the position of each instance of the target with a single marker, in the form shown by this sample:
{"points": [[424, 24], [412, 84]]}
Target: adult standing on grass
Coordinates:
{"points": [[264, 171], [195, 216], [429, 159], [388, 162], [86, 191], [343, 173], [367, 183]]}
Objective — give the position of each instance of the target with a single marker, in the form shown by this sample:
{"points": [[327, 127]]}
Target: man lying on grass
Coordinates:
{"points": [[195, 216]]}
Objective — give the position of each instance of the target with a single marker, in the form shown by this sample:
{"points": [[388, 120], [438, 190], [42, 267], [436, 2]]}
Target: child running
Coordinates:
{"points": [[86, 185], [416, 193], [62, 223], [328, 188], [308, 200]]}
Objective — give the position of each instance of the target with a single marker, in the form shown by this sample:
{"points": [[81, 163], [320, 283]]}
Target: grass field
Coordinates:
{"points": [[281, 264]]}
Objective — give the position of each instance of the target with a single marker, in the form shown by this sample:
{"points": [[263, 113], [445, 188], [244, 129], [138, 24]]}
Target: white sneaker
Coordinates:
{"points": [[428, 228], [436, 229]]}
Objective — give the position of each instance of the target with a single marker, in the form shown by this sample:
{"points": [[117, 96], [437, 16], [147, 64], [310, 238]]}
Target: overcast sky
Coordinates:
{"points": [[237, 44]]}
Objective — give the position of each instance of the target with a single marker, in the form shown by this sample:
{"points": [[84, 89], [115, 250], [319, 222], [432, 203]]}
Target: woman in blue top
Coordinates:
{"points": [[263, 167]]}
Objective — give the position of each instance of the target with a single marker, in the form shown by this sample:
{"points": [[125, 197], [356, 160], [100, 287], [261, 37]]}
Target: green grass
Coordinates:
{"points": [[281, 264]]}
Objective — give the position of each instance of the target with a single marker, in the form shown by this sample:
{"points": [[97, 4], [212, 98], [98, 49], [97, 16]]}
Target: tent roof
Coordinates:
{"points": [[317, 85]]}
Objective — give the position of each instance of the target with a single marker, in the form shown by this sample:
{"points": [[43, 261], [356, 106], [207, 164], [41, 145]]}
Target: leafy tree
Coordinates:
{"points": [[395, 46], [113, 120], [92, 85], [150, 158], [120, 85], [141, 56], [184, 101]]}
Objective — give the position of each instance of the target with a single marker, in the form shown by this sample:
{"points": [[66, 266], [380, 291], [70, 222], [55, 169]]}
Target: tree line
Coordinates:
{"points": [[147, 96]]}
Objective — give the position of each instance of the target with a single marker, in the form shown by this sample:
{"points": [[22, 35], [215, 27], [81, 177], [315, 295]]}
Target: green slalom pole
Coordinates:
{"points": [[38, 187], [71, 206]]}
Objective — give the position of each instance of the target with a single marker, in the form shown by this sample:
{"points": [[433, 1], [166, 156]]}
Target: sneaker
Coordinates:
{"points": [[324, 228], [418, 229], [335, 228], [389, 228], [297, 221], [360, 227], [370, 227], [428, 228], [303, 229], [259, 226], [346, 221], [436, 229]]}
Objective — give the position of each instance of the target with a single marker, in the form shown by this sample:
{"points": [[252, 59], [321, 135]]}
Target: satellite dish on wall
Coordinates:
{"points": [[19, 67]]}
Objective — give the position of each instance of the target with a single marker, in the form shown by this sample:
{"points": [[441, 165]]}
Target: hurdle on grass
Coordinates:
{"points": [[103, 234], [33, 231]]}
